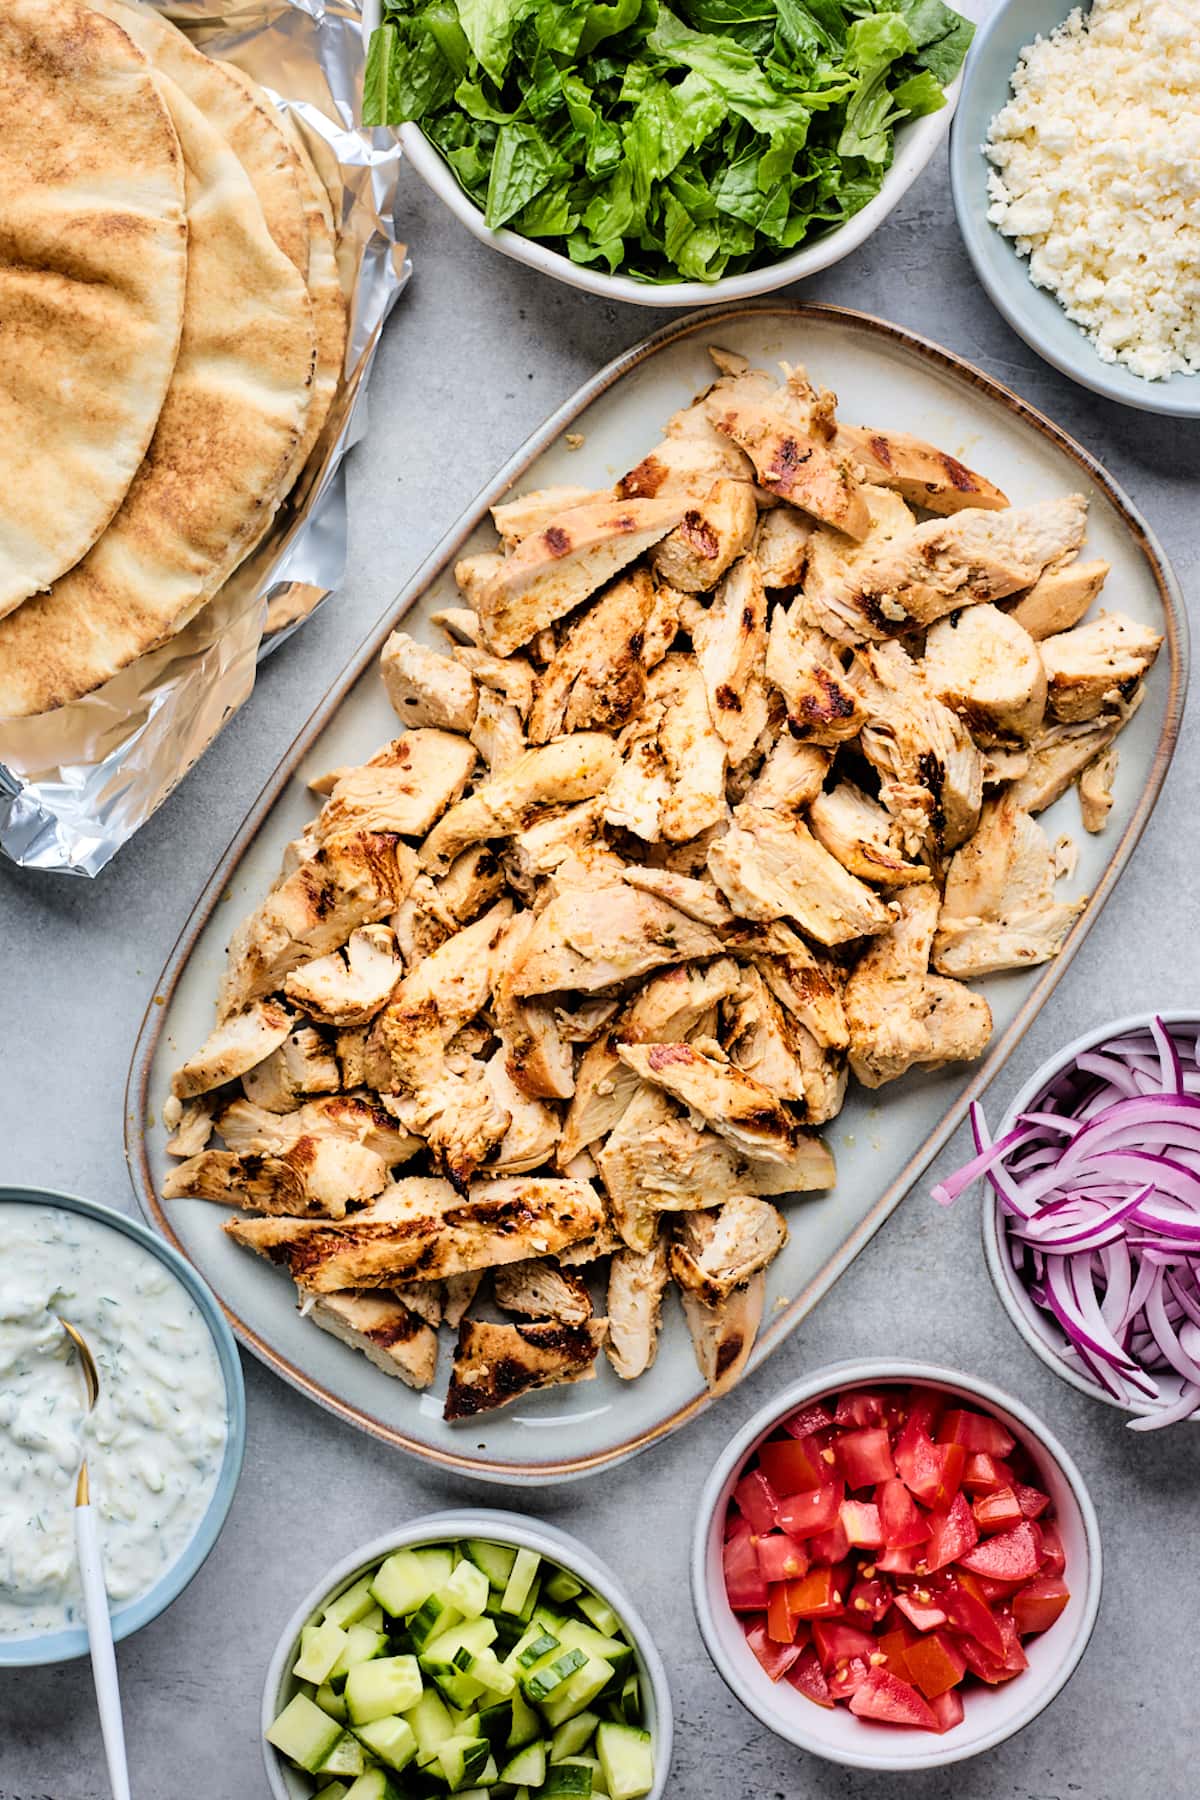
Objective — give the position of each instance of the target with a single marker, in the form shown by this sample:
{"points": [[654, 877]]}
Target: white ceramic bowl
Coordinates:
{"points": [[992, 1714], [440, 1528], [915, 144], [1039, 1328]]}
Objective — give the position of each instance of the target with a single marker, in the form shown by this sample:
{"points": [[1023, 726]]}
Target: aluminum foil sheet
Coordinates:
{"points": [[77, 783]]}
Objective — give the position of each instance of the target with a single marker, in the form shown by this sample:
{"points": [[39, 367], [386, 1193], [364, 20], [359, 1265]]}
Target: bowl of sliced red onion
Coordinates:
{"points": [[1092, 1227]]}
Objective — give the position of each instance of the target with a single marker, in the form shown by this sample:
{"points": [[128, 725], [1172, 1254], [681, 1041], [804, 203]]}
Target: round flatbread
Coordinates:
{"points": [[93, 262], [233, 415]]}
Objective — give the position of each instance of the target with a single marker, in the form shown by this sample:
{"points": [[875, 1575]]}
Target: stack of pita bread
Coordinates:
{"points": [[172, 333]]}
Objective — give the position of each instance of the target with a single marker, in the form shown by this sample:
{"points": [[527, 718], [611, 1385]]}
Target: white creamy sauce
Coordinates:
{"points": [[154, 1443]]}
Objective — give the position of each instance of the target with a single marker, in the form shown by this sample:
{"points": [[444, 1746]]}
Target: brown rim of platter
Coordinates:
{"points": [[693, 324]]}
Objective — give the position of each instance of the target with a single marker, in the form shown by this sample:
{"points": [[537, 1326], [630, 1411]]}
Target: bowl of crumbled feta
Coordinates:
{"points": [[1075, 165], [163, 1442]]}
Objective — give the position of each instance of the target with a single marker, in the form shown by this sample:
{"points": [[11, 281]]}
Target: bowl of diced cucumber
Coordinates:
{"points": [[474, 1653]]}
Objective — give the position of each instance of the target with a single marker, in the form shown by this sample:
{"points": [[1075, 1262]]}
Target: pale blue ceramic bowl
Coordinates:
{"points": [[62, 1646], [1034, 314]]}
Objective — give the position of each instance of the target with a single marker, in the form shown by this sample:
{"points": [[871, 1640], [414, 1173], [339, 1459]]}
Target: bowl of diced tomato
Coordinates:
{"points": [[895, 1566]]}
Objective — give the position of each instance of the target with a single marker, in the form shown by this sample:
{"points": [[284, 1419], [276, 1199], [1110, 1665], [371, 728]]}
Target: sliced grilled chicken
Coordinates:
{"points": [[425, 687], [498, 733], [723, 1336], [998, 909], [473, 574], [520, 518], [237, 1045], [424, 1298], [404, 788], [348, 986], [898, 1015], [497, 1364], [538, 1058], [698, 899], [510, 678], [730, 641], [1095, 791], [318, 1177], [190, 1123], [716, 1252], [792, 462], [637, 1280], [460, 623], [458, 1115], [532, 1135], [1097, 665], [1059, 754], [597, 679], [541, 1290], [388, 1333], [304, 1064], [986, 667], [791, 776], [555, 569], [807, 986], [769, 866], [930, 767], [436, 998], [760, 1038], [732, 1103], [687, 463], [474, 880], [781, 546], [803, 664], [559, 774], [1060, 598], [671, 780], [247, 1128], [925, 476], [710, 536], [863, 836], [591, 938], [459, 1291]]}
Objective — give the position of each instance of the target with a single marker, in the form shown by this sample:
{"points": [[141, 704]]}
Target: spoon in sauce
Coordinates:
{"points": [[95, 1596]]}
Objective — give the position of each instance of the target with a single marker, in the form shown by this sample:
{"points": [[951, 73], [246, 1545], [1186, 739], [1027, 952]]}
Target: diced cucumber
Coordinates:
{"points": [[528, 1767], [562, 1585], [526, 1726], [462, 1760], [336, 1790], [374, 1785], [531, 1599], [320, 1648], [600, 1613], [496, 1560], [488, 1669], [390, 1741], [489, 1775], [431, 1722], [405, 1581], [566, 1779], [494, 1722], [536, 1649], [304, 1733], [577, 1694], [630, 1702], [468, 1590], [469, 1637], [614, 1651], [627, 1759], [516, 1591], [573, 1735], [432, 1617], [542, 1681], [389, 1684], [346, 1757], [331, 1702], [351, 1606], [375, 1619], [362, 1644]]}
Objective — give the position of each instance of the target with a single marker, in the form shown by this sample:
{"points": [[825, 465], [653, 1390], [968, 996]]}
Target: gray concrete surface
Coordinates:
{"points": [[478, 353]]}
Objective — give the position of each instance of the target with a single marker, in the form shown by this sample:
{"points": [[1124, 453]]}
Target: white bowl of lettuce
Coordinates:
{"points": [[667, 157]]}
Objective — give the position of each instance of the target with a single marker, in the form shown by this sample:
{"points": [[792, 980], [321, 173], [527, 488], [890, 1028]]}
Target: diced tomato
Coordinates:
{"points": [[862, 1407], [951, 1534], [817, 1595], [984, 1474], [894, 1645], [744, 1584], [807, 1419], [860, 1522], [976, 1432], [775, 1658], [926, 1617], [935, 1663], [1036, 1606], [901, 1562], [870, 1601], [998, 1510], [847, 1677], [1010, 1556], [832, 1546], [835, 1641], [865, 1457], [903, 1524], [947, 1709], [781, 1621], [933, 1472], [791, 1466], [808, 1678], [781, 1558], [991, 1591], [996, 1668], [1031, 1500], [886, 1697], [967, 1612], [756, 1500], [1054, 1557], [926, 1407], [815, 1510]]}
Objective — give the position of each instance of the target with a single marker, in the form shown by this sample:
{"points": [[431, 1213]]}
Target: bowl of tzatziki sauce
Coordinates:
{"points": [[163, 1444]]}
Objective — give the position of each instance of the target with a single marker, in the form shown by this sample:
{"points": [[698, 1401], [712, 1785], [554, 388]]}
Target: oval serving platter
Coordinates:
{"points": [[882, 1140]]}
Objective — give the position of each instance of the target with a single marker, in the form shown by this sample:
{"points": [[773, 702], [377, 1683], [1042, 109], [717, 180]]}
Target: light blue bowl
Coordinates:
{"points": [[62, 1646], [1031, 311]]}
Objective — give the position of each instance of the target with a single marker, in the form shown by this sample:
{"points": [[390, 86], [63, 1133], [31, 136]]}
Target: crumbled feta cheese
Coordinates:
{"points": [[1096, 175]]}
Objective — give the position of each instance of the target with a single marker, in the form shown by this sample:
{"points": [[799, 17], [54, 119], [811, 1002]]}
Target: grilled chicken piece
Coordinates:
{"points": [[552, 571], [792, 460], [998, 909], [769, 866], [590, 938], [803, 664], [671, 779], [437, 997], [498, 734], [348, 986], [388, 1333], [424, 1298], [687, 463], [723, 1336], [520, 518], [945, 564], [781, 547], [791, 776], [425, 687], [532, 1134], [497, 1364], [1060, 753], [598, 677], [698, 899], [862, 835], [716, 1252], [541, 1290], [571, 769], [930, 767], [473, 880], [422, 1229], [710, 536], [735, 1106], [404, 788], [637, 1280], [459, 1292], [1095, 792], [235, 1047], [460, 623], [1097, 665], [557, 837], [355, 878], [189, 1122], [760, 1038], [537, 1057], [316, 1178], [509, 676], [662, 626], [473, 573], [422, 922], [985, 666], [304, 1064], [1060, 598], [924, 475], [806, 986], [250, 1129], [898, 1015], [730, 641], [833, 560]]}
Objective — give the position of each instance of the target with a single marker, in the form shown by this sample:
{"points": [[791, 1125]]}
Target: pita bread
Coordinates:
{"points": [[93, 261], [233, 415]]}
